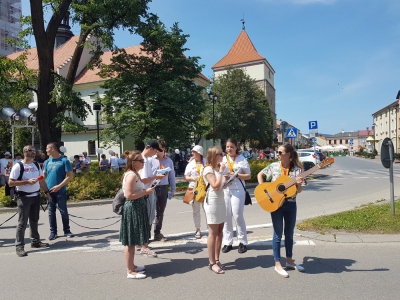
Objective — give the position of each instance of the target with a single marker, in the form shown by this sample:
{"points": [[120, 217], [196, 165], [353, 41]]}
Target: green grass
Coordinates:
{"points": [[369, 218]]}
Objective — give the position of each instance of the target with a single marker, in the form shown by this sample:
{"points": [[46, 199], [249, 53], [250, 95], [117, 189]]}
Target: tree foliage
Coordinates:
{"points": [[242, 109], [153, 94], [16, 86], [97, 18]]}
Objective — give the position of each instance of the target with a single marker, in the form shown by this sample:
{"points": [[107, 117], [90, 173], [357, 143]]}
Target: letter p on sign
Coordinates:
{"points": [[312, 125]]}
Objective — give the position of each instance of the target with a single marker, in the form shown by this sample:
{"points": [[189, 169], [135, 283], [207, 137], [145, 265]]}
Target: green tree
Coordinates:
{"points": [[16, 86], [97, 18], [242, 109], [153, 94]]}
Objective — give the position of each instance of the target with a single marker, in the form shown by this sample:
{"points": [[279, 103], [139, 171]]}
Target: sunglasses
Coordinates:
{"points": [[280, 152], [141, 160], [220, 154], [29, 150]]}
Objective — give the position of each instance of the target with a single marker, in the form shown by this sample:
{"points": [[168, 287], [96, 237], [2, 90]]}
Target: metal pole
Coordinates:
{"points": [[391, 175], [98, 134], [213, 102], [12, 143]]}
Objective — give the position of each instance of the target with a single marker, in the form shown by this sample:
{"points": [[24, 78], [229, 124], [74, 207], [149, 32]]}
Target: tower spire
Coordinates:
{"points": [[243, 27]]}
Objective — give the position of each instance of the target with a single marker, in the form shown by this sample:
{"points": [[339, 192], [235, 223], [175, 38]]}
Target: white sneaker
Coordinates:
{"points": [[137, 276]]}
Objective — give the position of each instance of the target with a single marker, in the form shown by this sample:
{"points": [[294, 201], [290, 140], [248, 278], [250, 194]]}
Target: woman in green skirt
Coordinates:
{"points": [[135, 227]]}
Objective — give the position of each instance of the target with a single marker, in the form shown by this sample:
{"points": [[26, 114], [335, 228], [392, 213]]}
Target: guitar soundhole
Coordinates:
{"points": [[281, 188]]}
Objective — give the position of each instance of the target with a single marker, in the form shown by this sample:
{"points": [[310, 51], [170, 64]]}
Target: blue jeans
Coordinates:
{"points": [[285, 215], [59, 198]]}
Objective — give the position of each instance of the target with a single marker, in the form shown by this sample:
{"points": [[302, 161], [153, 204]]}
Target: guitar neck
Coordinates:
{"points": [[302, 175]]}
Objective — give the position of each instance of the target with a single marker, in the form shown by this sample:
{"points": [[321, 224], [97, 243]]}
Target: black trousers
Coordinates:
{"points": [[28, 208], [162, 198]]}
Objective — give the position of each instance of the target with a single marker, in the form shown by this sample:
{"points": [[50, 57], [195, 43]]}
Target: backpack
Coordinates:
{"points": [[21, 172], [200, 189], [118, 202]]}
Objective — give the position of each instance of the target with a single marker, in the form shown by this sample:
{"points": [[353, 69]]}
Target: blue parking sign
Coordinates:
{"points": [[312, 125]]}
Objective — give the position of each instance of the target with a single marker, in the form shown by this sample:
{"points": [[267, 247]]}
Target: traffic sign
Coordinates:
{"points": [[351, 142], [312, 125], [291, 133], [315, 141]]}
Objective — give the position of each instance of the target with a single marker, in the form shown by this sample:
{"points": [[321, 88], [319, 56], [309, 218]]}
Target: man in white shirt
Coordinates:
{"points": [[114, 167], [3, 165], [28, 198], [86, 162]]}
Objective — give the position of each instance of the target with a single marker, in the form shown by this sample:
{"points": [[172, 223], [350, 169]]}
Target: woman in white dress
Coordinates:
{"points": [[214, 206]]}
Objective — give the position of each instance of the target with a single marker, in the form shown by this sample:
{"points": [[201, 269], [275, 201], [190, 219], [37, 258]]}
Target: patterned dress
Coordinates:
{"points": [[135, 227]]}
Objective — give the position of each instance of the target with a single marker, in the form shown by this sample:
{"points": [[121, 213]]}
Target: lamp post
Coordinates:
{"points": [[9, 114], [97, 108], [213, 98]]}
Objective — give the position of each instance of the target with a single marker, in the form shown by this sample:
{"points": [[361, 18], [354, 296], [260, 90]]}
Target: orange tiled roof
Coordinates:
{"points": [[242, 51], [61, 54], [91, 75]]}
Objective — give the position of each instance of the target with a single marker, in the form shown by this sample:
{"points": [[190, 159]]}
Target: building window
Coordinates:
{"points": [[334, 142], [347, 141], [91, 148], [340, 141]]}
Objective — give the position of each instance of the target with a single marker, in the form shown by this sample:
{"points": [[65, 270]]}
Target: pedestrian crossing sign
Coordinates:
{"points": [[291, 133]]}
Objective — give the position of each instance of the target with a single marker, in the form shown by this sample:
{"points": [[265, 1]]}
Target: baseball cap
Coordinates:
{"points": [[7, 153], [153, 144], [198, 149]]}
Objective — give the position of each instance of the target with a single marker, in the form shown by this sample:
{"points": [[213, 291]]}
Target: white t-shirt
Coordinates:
{"points": [[191, 170], [3, 165], [239, 162], [30, 171], [114, 161], [147, 170], [87, 161]]}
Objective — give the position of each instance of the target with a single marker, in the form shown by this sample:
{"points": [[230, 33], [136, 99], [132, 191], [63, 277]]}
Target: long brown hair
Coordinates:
{"points": [[212, 156], [294, 157], [130, 157]]}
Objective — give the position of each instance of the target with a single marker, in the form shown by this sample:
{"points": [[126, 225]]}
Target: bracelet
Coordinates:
{"points": [[47, 192], [220, 172]]}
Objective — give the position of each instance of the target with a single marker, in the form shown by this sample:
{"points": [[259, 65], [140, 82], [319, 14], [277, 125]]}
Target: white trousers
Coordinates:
{"points": [[197, 207], [234, 201]]}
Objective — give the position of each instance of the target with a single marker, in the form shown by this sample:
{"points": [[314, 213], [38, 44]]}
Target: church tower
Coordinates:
{"points": [[243, 55]]}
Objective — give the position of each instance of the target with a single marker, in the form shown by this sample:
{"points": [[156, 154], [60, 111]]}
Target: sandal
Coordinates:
{"points": [[198, 234], [223, 267], [147, 252], [219, 271]]}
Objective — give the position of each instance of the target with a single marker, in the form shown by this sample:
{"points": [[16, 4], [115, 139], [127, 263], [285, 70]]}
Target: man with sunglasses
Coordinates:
{"points": [[28, 198]]}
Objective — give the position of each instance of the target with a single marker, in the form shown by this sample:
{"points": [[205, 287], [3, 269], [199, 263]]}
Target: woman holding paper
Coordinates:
{"points": [[235, 196], [192, 172], [214, 206]]}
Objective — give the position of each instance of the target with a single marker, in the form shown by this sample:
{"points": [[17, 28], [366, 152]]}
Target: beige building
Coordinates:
{"points": [[243, 55], [386, 125]]}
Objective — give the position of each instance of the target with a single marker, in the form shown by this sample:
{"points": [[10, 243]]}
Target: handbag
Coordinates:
{"points": [[118, 202], [189, 196], [247, 200]]}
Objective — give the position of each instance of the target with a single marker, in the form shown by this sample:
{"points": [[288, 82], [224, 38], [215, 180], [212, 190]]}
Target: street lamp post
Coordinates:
{"points": [[213, 98], [97, 108]]}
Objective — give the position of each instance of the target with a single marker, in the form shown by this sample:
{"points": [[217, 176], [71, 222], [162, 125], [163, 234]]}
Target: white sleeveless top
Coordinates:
{"points": [[139, 184]]}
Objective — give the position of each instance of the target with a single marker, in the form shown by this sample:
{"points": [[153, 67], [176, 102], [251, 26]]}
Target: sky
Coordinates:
{"points": [[336, 61]]}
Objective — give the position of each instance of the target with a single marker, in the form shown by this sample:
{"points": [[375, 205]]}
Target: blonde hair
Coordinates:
{"points": [[212, 156], [130, 157]]}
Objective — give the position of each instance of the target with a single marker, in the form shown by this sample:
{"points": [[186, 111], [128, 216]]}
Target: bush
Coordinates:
{"points": [[256, 165], [6, 201]]}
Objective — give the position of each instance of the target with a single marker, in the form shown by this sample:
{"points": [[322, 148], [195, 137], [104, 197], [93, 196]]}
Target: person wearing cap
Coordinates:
{"points": [[28, 199], [192, 172], [3, 165], [161, 161], [147, 176]]}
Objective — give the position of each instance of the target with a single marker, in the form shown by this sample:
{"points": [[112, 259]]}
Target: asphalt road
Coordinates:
{"points": [[91, 265]]}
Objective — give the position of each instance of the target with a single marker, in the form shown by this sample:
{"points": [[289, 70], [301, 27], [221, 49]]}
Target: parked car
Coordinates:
{"points": [[308, 156]]}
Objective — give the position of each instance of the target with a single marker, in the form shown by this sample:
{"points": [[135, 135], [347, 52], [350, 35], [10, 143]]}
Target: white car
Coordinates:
{"points": [[309, 157]]}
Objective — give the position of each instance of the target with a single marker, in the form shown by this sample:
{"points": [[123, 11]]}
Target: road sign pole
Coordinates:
{"points": [[391, 176]]}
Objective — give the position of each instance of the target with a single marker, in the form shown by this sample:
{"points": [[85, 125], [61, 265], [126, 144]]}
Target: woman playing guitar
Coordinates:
{"points": [[284, 218]]}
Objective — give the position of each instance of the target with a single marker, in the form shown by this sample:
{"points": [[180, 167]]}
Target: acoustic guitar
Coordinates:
{"points": [[271, 195]]}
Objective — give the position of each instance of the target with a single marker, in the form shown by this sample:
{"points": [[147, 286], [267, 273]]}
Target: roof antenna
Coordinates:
{"points": [[243, 27]]}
